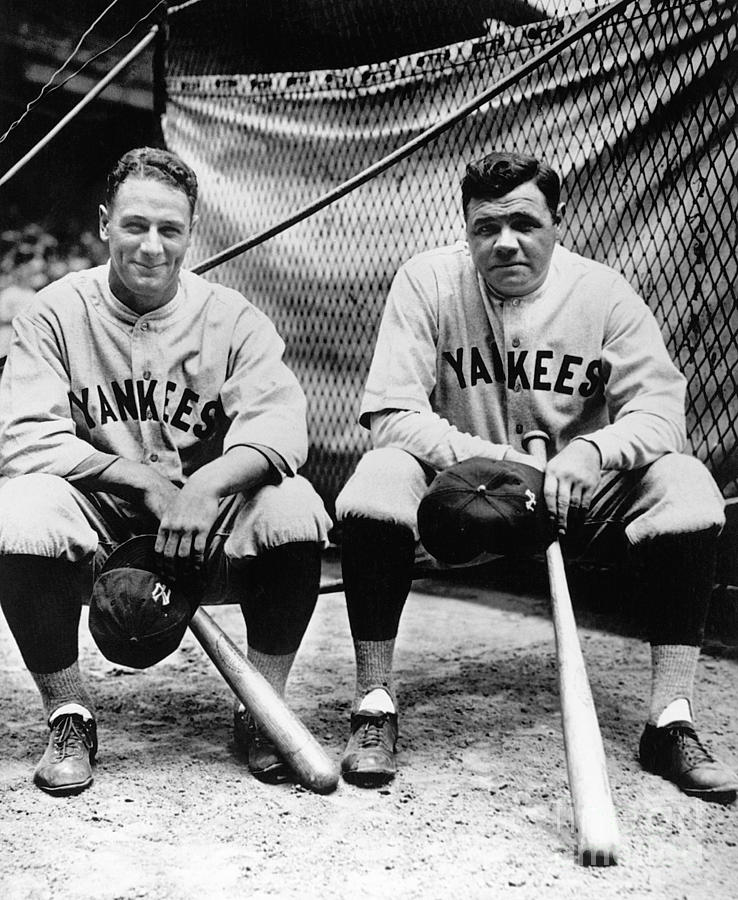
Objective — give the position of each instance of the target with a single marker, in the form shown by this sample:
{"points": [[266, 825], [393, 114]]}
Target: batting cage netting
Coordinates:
{"points": [[277, 103]]}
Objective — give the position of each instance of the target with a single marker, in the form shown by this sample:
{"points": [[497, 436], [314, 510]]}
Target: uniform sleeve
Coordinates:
{"points": [[262, 397], [37, 432], [430, 438], [402, 374], [644, 391]]}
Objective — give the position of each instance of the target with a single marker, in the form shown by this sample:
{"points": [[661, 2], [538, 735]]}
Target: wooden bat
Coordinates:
{"points": [[299, 749], [594, 814]]}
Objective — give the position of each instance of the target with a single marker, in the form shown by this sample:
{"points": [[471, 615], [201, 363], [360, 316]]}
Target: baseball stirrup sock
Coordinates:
{"points": [[42, 602], [377, 563], [678, 578], [280, 590]]}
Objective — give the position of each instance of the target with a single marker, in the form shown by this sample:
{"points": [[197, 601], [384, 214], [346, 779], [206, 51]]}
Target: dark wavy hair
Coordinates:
{"points": [[500, 172], [151, 162]]}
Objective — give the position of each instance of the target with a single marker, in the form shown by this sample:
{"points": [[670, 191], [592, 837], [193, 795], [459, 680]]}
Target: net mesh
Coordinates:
{"points": [[275, 104]]}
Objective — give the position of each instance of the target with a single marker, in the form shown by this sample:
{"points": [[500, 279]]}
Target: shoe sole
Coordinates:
{"points": [[717, 795], [368, 779], [724, 795], [278, 774], [66, 790]]}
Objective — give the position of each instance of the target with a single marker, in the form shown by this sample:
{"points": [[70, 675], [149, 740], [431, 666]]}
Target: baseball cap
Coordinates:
{"points": [[483, 505], [137, 616]]}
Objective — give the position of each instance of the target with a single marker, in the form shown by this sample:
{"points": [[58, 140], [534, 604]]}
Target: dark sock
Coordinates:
{"points": [[280, 590], [377, 563], [42, 601], [678, 572]]}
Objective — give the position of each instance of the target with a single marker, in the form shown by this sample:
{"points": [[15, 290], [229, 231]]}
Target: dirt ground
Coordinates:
{"points": [[480, 807]]}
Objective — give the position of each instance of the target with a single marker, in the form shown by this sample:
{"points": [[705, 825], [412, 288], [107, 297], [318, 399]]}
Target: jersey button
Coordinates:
{"points": [[518, 429], [144, 326], [154, 457], [518, 388], [146, 375], [516, 303], [516, 342]]}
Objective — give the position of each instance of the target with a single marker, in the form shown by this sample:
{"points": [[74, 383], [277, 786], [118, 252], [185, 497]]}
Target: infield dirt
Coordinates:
{"points": [[479, 809]]}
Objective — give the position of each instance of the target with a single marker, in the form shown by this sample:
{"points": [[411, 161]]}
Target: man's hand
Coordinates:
{"points": [[184, 528], [158, 495], [571, 478]]}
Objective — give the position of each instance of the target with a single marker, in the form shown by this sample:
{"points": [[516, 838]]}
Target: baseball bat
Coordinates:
{"points": [[297, 746], [594, 813]]}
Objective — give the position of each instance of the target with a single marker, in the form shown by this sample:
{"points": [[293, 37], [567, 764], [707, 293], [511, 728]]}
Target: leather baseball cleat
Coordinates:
{"points": [[66, 766], [677, 754], [369, 757], [262, 756]]}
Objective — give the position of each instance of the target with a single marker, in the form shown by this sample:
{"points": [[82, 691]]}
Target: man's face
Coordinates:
{"points": [[148, 230], [511, 240]]}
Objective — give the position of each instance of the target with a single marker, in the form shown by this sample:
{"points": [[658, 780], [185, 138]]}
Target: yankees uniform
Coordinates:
{"points": [[458, 372], [88, 380]]}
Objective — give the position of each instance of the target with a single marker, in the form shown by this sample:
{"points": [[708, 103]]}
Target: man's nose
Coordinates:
{"points": [[152, 243], [507, 241]]}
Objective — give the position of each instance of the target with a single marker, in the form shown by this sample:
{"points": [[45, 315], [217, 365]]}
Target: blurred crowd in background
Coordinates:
{"points": [[31, 258]]}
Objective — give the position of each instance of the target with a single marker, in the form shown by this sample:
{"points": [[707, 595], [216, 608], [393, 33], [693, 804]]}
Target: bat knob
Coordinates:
{"points": [[536, 443], [535, 436]]}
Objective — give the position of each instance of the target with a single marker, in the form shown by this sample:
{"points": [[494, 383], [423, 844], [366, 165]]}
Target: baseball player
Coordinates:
{"points": [[481, 342], [139, 398]]}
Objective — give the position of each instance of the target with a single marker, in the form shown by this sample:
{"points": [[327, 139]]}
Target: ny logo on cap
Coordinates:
{"points": [[161, 593], [530, 503]]}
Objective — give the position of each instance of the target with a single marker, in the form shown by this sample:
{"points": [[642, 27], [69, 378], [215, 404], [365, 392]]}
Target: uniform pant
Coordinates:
{"points": [[667, 516], [266, 542]]}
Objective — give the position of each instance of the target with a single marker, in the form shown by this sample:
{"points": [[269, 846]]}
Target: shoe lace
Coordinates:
{"points": [[371, 731], [70, 737], [693, 750]]}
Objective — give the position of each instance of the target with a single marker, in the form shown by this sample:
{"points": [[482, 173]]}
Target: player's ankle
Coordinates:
{"points": [[377, 698]]}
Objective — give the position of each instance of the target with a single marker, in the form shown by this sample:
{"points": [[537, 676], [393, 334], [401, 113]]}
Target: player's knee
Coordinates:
{"points": [[386, 485], [39, 516], [286, 513], [684, 497]]}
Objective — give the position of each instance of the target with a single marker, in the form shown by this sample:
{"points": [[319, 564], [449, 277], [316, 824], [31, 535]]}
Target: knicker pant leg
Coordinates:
{"points": [[378, 511], [45, 540], [274, 559], [670, 514]]}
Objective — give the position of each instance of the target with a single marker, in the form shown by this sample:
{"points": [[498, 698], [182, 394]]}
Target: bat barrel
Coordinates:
{"points": [[593, 809], [297, 746]]}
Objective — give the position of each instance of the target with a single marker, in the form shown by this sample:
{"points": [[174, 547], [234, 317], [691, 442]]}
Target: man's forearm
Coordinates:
{"points": [[125, 478], [241, 469], [430, 438]]}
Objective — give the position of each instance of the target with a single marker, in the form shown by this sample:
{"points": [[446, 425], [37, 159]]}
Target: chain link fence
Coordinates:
{"points": [[276, 103]]}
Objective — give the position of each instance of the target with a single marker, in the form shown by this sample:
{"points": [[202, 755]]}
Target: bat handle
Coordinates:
{"points": [[536, 443]]}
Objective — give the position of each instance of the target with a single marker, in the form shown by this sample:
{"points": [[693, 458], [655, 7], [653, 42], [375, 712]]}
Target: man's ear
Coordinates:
{"points": [[104, 219], [560, 210], [193, 223]]}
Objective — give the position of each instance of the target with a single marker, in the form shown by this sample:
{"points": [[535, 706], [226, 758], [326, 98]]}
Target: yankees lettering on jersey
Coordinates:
{"points": [[574, 358], [88, 378], [141, 400], [533, 370]]}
